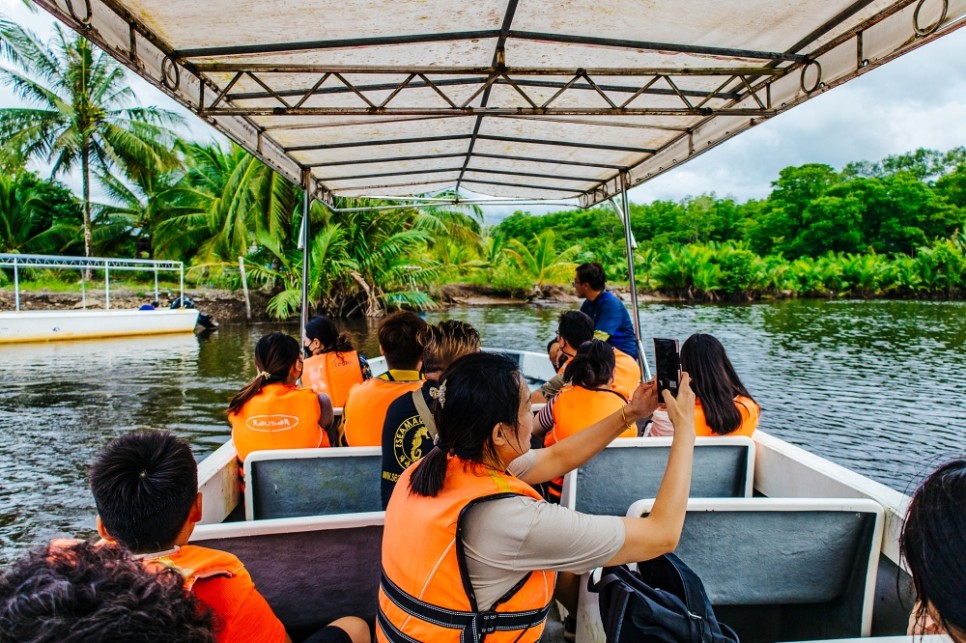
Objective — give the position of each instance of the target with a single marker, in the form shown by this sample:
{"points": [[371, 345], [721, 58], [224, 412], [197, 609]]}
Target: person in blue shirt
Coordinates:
{"points": [[612, 323]]}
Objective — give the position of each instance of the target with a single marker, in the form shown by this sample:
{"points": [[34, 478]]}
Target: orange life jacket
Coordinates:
{"points": [[747, 408], [332, 373], [627, 374], [365, 410], [280, 416], [196, 563], [425, 594], [220, 581], [574, 409]]}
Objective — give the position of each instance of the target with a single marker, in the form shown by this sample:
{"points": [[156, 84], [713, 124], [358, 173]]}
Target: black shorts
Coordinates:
{"points": [[329, 634]]}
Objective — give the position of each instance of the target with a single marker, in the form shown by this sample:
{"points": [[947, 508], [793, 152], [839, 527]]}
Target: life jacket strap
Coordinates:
{"points": [[474, 625]]}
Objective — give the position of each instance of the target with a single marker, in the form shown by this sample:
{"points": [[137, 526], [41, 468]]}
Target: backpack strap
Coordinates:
{"points": [[424, 413]]}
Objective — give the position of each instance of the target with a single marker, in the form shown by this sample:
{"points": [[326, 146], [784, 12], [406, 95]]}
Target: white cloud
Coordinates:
{"points": [[915, 101]]}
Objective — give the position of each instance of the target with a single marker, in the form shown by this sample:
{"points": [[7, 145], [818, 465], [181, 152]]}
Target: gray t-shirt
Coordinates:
{"points": [[508, 538]]}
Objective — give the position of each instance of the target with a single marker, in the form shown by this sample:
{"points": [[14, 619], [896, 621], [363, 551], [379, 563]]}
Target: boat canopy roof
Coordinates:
{"points": [[523, 99]]}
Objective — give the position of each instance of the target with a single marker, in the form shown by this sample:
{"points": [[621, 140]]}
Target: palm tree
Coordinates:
{"points": [[29, 217], [80, 113], [229, 200], [136, 210], [540, 261]]}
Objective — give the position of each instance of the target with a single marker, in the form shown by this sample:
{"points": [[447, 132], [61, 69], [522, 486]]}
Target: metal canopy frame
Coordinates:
{"points": [[316, 109]]}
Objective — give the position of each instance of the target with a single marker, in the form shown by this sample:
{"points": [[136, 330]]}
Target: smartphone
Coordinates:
{"points": [[668, 366]]}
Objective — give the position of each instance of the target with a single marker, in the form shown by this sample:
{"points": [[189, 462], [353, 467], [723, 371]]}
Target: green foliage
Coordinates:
{"points": [[739, 270], [81, 112], [540, 261], [37, 216]]}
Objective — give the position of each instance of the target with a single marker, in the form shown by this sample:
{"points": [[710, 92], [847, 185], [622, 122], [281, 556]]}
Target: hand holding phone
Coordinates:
{"points": [[667, 366]]}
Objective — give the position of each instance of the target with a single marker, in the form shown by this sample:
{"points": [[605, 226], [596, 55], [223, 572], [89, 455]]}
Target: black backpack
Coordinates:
{"points": [[664, 600]]}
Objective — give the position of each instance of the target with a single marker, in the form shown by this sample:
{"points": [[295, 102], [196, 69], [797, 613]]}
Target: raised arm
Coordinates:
{"points": [[659, 533], [571, 452]]}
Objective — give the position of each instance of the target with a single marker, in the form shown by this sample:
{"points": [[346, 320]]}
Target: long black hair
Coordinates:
{"points": [[714, 381], [479, 391], [275, 354], [933, 543], [592, 366], [324, 329]]}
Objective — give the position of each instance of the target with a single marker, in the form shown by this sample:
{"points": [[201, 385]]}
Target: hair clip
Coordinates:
{"points": [[264, 375], [439, 394]]}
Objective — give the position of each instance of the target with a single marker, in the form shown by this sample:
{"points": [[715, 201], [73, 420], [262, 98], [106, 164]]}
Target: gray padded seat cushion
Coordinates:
{"points": [[618, 476], [314, 486]]}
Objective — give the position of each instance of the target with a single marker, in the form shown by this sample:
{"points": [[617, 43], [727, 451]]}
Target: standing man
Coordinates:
{"points": [[612, 323]]}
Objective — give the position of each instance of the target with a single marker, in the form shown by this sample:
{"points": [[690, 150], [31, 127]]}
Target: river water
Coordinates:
{"points": [[879, 387]]}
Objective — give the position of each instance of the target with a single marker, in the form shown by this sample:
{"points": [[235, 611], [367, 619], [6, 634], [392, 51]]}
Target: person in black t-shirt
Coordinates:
{"points": [[408, 431]]}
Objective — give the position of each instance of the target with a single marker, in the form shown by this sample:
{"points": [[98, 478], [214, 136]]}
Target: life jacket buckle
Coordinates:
{"points": [[489, 622]]}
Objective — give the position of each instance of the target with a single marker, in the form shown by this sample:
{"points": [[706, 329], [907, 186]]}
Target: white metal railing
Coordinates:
{"points": [[84, 264]]}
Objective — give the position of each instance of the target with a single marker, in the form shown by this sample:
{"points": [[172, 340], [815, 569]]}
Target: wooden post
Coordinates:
{"points": [[248, 303]]}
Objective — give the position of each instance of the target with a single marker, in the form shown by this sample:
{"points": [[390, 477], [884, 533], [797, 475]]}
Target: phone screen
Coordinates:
{"points": [[668, 366]]}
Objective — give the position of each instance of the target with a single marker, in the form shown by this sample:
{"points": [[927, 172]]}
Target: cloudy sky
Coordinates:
{"points": [[916, 101]]}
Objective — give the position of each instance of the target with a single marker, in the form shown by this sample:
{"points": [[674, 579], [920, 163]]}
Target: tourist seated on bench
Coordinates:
{"points": [[585, 399], [74, 592], [334, 366], [401, 343], [723, 405], [271, 412], [145, 485], [409, 430], [933, 541]]}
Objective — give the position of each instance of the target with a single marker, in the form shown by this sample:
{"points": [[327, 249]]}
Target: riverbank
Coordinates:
{"points": [[228, 306]]}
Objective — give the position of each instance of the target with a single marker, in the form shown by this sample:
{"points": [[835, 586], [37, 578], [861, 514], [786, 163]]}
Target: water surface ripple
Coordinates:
{"points": [[879, 387]]}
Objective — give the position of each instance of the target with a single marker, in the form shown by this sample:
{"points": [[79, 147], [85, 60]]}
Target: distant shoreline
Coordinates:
{"points": [[228, 306]]}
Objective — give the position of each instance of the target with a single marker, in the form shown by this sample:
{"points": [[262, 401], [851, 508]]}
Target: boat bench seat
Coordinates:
{"points": [[632, 468], [287, 483], [782, 568], [311, 570]]}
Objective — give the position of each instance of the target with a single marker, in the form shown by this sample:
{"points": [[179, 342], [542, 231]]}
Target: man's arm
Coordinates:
{"points": [[610, 316]]}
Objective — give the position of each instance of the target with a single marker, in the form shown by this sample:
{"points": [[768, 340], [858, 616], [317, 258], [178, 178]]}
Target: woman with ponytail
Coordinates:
{"points": [[586, 397], [333, 366], [271, 412], [933, 544], [488, 545]]}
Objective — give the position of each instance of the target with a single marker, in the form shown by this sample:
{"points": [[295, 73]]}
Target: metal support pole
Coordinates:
{"points": [[157, 296], [181, 266], [16, 283], [107, 286], [630, 245], [244, 281], [84, 287], [304, 245]]}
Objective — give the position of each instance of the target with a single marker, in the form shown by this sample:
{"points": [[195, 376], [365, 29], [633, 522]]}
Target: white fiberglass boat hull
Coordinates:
{"points": [[57, 325]]}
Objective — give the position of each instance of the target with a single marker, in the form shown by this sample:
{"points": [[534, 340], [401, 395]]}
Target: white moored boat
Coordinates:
{"points": [[20, 326]]}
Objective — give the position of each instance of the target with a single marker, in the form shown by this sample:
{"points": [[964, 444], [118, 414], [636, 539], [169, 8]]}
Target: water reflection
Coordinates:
{"points": [[876, 386]]}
